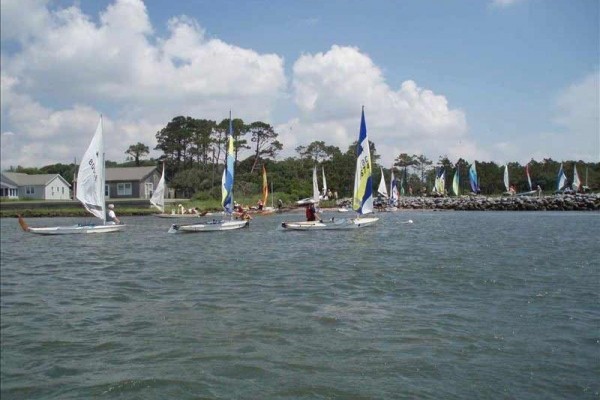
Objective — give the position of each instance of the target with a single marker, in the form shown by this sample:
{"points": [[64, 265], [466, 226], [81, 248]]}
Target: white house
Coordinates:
{"points": [[43, 186]]}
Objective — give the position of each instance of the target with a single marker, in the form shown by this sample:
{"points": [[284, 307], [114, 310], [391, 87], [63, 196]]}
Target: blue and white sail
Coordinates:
{"points": [[455, 181], [440, 181], [228, 173], [362, 201], [90, 177], [394, 194], [562, 178], [473, 178]]}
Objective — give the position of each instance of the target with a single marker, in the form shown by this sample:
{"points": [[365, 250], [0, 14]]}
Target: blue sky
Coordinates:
{"points": [[497, 80]]}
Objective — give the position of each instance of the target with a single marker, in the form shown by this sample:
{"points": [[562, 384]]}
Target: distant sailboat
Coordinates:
{"points": [[226, 198], [562, 179], [394, 194], [576, 186], [473, 179], [324, 196], [382, 189], [265, 187], [528, 178], [506, 181], [90, 192], [455, 181], [439, 185], [158, 196]]}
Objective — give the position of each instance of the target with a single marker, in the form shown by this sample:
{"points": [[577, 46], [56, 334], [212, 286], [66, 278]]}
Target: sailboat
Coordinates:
{"points": [[90, 192], [324, 196], [362, 199], [226, 199], [576, 186], [316, 195], [506, 181], [394, 194], [561, 180], [439, 186], [473, 179], [455, 181], [531, 192], [382, 189]]}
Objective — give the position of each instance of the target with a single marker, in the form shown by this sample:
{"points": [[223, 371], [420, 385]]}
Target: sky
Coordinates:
{"points": [[488, 80]]}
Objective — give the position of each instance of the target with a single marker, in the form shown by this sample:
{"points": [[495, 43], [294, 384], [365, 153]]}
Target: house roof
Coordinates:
{"points": [[21, 179], [128, 173]]}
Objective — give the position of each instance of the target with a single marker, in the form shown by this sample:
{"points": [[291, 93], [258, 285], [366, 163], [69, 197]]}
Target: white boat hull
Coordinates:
{"points": [[333, 224], [76, 229], [212, 226], [176, 215]]}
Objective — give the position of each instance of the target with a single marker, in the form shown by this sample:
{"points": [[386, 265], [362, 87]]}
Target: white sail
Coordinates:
{"points": [[382, 189], [158, 197], [90, 178], [576, 181], [394, 194], [315, 187], [506, 182]]}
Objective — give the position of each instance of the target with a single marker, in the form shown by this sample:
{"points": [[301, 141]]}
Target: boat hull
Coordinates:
{"points": [[76, 229], [176, 215], [339, 224], [213, 226]]}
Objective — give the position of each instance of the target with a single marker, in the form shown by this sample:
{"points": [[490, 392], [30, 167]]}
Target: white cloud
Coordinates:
{"points": [[329, 89], [579, 114], [66, 63]]}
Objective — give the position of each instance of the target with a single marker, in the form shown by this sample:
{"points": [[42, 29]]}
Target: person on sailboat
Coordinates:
{"points": [[311, 213], [112, 217]]}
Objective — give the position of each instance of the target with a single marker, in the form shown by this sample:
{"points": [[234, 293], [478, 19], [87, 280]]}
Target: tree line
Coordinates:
{"points": [[193, 153]]}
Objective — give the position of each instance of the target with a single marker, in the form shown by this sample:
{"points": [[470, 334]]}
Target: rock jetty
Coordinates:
{"points": [[587, 202]]}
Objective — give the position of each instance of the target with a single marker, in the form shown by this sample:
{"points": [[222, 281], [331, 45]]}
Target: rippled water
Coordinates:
{"points": [[455, 305]]}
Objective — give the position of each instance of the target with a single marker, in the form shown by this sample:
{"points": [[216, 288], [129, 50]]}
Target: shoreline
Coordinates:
{"points": [[570, 202]]}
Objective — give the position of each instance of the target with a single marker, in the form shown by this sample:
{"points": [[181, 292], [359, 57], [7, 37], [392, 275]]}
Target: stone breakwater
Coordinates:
{"points": [[588, 202]]}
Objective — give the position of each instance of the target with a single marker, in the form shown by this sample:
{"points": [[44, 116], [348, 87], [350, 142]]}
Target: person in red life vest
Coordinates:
{"points": [[311, 213]]}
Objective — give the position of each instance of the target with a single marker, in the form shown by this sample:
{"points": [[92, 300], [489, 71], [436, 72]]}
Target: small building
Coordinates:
{"points": [[41, 186], [131, 182]]}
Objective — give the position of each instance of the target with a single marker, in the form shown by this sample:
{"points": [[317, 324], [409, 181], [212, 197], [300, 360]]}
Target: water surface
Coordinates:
{"points": [[455, 305]]}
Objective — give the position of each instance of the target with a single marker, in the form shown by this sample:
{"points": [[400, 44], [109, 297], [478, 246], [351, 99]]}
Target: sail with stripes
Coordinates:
{"points": [[562, 178], [362, 197], [455, 182], [228, 173], [265, 186], [473, 178]]}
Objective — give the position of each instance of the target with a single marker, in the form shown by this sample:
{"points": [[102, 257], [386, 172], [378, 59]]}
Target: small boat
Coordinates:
{"points": [[90, 192], [363, 192], [227, 199]]}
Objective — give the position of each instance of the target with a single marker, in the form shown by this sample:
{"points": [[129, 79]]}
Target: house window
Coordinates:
{"points": [[124, 189], [63, 190], [29, 190]]}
